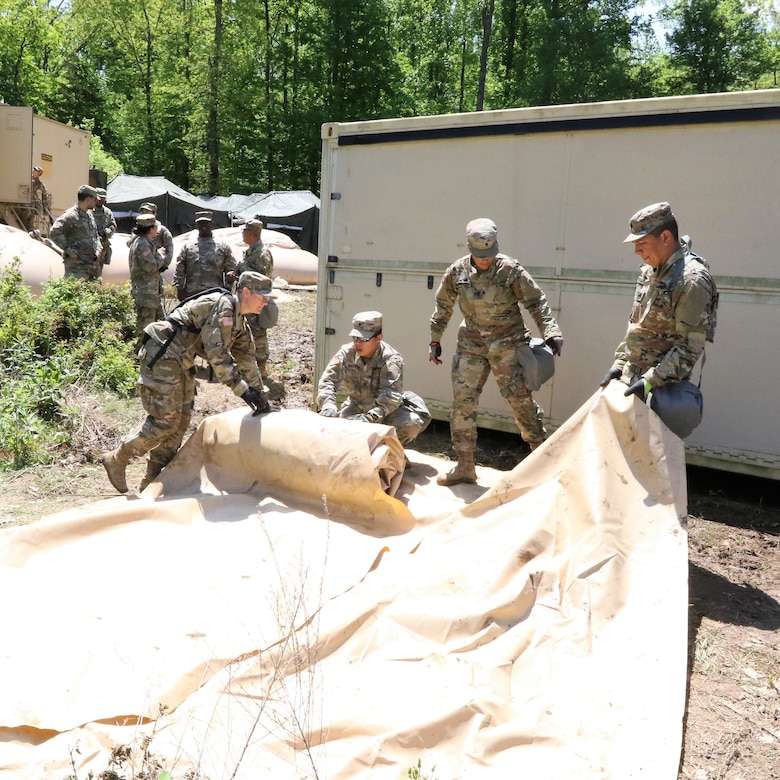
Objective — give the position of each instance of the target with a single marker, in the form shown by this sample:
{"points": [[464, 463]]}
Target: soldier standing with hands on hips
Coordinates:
{"points": [[489, 288]]}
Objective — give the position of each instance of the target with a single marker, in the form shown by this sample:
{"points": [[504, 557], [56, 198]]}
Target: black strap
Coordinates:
{"points": [[175, 323]]}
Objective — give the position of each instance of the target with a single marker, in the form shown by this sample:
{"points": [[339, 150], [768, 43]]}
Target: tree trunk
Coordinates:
{"points": [[487, 27]]}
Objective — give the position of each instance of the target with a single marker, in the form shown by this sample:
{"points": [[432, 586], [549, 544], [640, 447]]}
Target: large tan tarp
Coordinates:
{"points": [[533, 625]]}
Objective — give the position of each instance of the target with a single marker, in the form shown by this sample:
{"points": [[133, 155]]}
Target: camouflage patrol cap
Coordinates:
{"points": [[254, 224], [101, 193], [256, 282], [203, 216], [38, 168], [145, 220], [366, 324], [150, 207], [85, 191], [646, 220], [482, 237]]}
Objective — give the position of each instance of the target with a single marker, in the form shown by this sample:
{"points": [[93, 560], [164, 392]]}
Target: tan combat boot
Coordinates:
{"points": [[463, 472], [115, 463], [152, 470]]}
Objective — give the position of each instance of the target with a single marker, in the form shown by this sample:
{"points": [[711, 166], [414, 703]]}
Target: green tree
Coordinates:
{"points": [[562, 51], [29, 42], [716, 45], [436, 53]]}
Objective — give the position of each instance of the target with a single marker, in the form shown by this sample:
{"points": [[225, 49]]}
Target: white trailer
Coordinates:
{"points": [[27, 140], [561, 183]]}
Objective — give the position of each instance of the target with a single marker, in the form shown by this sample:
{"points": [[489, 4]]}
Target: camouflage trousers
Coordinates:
{"points": [[146, 314], [167, 395], [470, 371], [260, 336], [410, 419], [83, 269]]}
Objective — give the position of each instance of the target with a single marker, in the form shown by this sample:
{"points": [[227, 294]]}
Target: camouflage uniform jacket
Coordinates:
{"points": [[105, 221], [164, 240], [257, 258], [75, 232], [145, 266], [212, 327], [201, 264], [39, 193], [490, 303], [667, 329], [374, 386]]}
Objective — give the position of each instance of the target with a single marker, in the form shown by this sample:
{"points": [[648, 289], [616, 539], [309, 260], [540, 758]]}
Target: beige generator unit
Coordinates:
{"points": [[561, 183], [28, 140]]}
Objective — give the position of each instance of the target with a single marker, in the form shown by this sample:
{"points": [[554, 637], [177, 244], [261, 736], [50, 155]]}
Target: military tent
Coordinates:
{"points": [[176, 208], [296, 213]]}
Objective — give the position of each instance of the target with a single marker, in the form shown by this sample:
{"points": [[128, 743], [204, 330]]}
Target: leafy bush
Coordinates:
{"points": [[76, 331]]}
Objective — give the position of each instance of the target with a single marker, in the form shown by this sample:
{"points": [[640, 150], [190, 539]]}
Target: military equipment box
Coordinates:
{"points": [[27, 140], [561, 183]]}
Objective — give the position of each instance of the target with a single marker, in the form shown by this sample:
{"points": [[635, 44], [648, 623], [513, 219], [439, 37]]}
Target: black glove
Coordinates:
{"points": [[254, 398], [434, 352], [641, 388], [613, 373], [555, 343], [329, 411]]}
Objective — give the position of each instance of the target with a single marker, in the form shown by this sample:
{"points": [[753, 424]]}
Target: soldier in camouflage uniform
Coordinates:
{"points": [[146, 265], [674, 306], [371, 373], [163, 241], [213, 327], [259, 258], [34, 214], [75, 232], [203, 263], [489, 288], [106, 225]]}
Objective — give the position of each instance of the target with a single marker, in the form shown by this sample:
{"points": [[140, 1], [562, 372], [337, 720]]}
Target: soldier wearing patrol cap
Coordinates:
{"points": [[489, 288], [75, 233], [35, 215], [106, 224], [203, 262], [674, 306], [258, 258], [211, 326], [146, 265], [163, 241], [370, 372]]}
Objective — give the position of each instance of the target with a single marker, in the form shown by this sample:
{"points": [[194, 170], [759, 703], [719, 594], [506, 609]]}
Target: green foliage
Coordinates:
{"points": [[101, 160], [417, 773], [75, 332], [717, 45], [29, 40]]}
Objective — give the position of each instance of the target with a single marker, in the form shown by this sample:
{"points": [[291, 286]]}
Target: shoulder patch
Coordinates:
{"points": [[226, 321]]}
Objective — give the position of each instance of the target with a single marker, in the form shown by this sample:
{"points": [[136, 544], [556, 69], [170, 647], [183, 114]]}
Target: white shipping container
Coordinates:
{"points": [[561, 183]]}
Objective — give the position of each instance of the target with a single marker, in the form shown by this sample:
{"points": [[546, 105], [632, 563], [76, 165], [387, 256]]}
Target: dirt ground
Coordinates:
{"points": [[732, 719]]}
